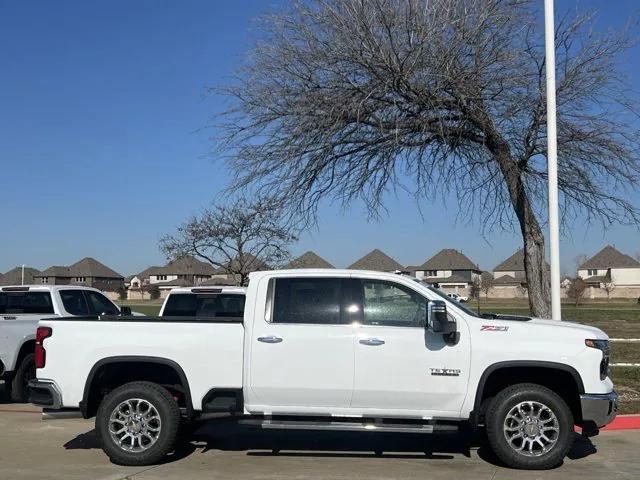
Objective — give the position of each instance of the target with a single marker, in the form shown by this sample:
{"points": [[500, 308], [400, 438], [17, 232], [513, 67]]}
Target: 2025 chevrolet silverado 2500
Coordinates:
{"points": [[331, 349], [21, 307]]}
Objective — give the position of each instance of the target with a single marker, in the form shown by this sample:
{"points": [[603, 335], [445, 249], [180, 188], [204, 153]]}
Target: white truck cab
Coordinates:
{"points": [[22, 307], [333, 349]]}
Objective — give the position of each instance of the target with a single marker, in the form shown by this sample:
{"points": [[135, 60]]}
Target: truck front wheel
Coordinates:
{"points": [[138, 423], [529, 427]]}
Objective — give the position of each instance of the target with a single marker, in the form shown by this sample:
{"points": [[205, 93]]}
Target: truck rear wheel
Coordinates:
{"points": [[26, 371], [529, 427], [138, 423]]}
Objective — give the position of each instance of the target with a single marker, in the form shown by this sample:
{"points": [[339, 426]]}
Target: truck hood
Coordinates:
{"points": [[589, 331]]}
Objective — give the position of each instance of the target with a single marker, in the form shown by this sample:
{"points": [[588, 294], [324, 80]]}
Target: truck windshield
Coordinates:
{"points": [[194, 305], [460, 305]]}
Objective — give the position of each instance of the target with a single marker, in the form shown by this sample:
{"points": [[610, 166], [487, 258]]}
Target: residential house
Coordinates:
{"points": [[248, 263], [450, 269], [181, 272], [139, 279], [509, 278], [15, 276], [87, 271], [379, 261], [308, 260], [612, 270]]}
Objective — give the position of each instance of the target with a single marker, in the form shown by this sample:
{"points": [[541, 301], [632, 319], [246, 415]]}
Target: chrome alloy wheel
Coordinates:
{"points": [[134, 425], [531, 429]]}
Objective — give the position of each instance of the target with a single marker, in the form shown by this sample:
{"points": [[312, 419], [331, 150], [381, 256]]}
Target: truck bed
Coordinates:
{"points": [[208, 350]]}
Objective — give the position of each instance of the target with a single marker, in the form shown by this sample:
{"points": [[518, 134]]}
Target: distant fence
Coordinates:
{"points": [[625, 340]]}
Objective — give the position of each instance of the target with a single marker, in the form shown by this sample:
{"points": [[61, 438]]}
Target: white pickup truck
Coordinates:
{"points": [[331, 349], [22, 307]]}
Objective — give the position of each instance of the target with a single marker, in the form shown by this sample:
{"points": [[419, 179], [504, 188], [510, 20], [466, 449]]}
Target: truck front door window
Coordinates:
{"points": [[393, 305], [100, 305], [74, 302]]}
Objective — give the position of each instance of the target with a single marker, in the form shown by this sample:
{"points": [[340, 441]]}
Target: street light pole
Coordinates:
{"points": [[552, 158]]}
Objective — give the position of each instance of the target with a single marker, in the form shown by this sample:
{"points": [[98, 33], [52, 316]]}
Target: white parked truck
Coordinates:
{"points": [[331, 350], [22, 307]]}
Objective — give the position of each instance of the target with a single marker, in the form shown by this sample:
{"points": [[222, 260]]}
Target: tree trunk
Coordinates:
{"points": [[534, 262]]}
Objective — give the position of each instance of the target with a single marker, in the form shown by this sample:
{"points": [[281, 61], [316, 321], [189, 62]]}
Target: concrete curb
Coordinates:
{"points": [[621, 422], [624, 422]]}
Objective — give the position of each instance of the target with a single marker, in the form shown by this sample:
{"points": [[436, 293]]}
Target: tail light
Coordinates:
{"points": [[41, 354]]}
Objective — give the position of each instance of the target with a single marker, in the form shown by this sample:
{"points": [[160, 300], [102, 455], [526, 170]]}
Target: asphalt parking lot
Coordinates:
{"points": [[31, 448]]}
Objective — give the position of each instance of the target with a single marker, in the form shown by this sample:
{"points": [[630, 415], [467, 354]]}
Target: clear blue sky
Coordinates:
{"points": [[102, 149]]}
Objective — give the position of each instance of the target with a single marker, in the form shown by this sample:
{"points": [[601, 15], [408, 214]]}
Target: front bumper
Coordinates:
{"points": [[599, 409], [44, 393]]}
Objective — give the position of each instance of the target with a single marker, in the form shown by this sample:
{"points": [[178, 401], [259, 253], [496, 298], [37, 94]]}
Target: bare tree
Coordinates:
{"points": [[350, 99], [486, 283], [474, 292], [608, 287], [576, 290], [240, 238]]}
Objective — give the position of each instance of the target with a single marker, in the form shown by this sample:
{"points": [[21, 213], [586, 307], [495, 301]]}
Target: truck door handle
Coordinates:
{"points": [[270, 339], [372, 341]]}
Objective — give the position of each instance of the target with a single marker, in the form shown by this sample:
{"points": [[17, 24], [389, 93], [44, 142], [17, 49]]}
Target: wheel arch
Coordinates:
{"points": [[528, 369], [28, 346], [90, 400]]}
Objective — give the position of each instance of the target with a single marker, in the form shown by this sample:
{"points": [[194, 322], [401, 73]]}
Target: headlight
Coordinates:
{"points": [[603, 346]]}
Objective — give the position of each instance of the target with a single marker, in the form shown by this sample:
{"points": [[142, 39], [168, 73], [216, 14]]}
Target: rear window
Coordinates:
{"points": [[25, 302], [204, 305]]}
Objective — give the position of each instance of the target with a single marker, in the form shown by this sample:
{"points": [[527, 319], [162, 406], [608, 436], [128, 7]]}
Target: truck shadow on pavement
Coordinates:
{"points": [[230, 436]]}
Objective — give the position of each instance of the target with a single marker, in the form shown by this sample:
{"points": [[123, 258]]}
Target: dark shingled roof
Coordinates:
{"points": [[486, 275], [449, 259], [87, 267], [250, 262], [309, 260], [56, 271], [378, 261], [186, 265], [609, 257], [14, 276], [90, 267], [507, 280], [514, 263]]}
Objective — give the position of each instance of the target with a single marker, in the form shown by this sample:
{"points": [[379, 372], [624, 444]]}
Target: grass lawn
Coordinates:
{"points": [[150, 309], [627, 382]]}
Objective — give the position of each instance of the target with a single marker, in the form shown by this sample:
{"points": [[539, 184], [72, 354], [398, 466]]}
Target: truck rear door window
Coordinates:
{"points": [[309, 300], [204, 305], [26, 302]]}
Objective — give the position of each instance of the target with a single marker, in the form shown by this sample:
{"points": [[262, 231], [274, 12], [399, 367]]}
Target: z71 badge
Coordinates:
{"points": [[493, 328], [445, 372]]}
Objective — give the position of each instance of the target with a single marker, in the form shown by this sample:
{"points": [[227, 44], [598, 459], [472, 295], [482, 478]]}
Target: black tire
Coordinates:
{"points": [[496, 416], [19, 389], [169, 416]]}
